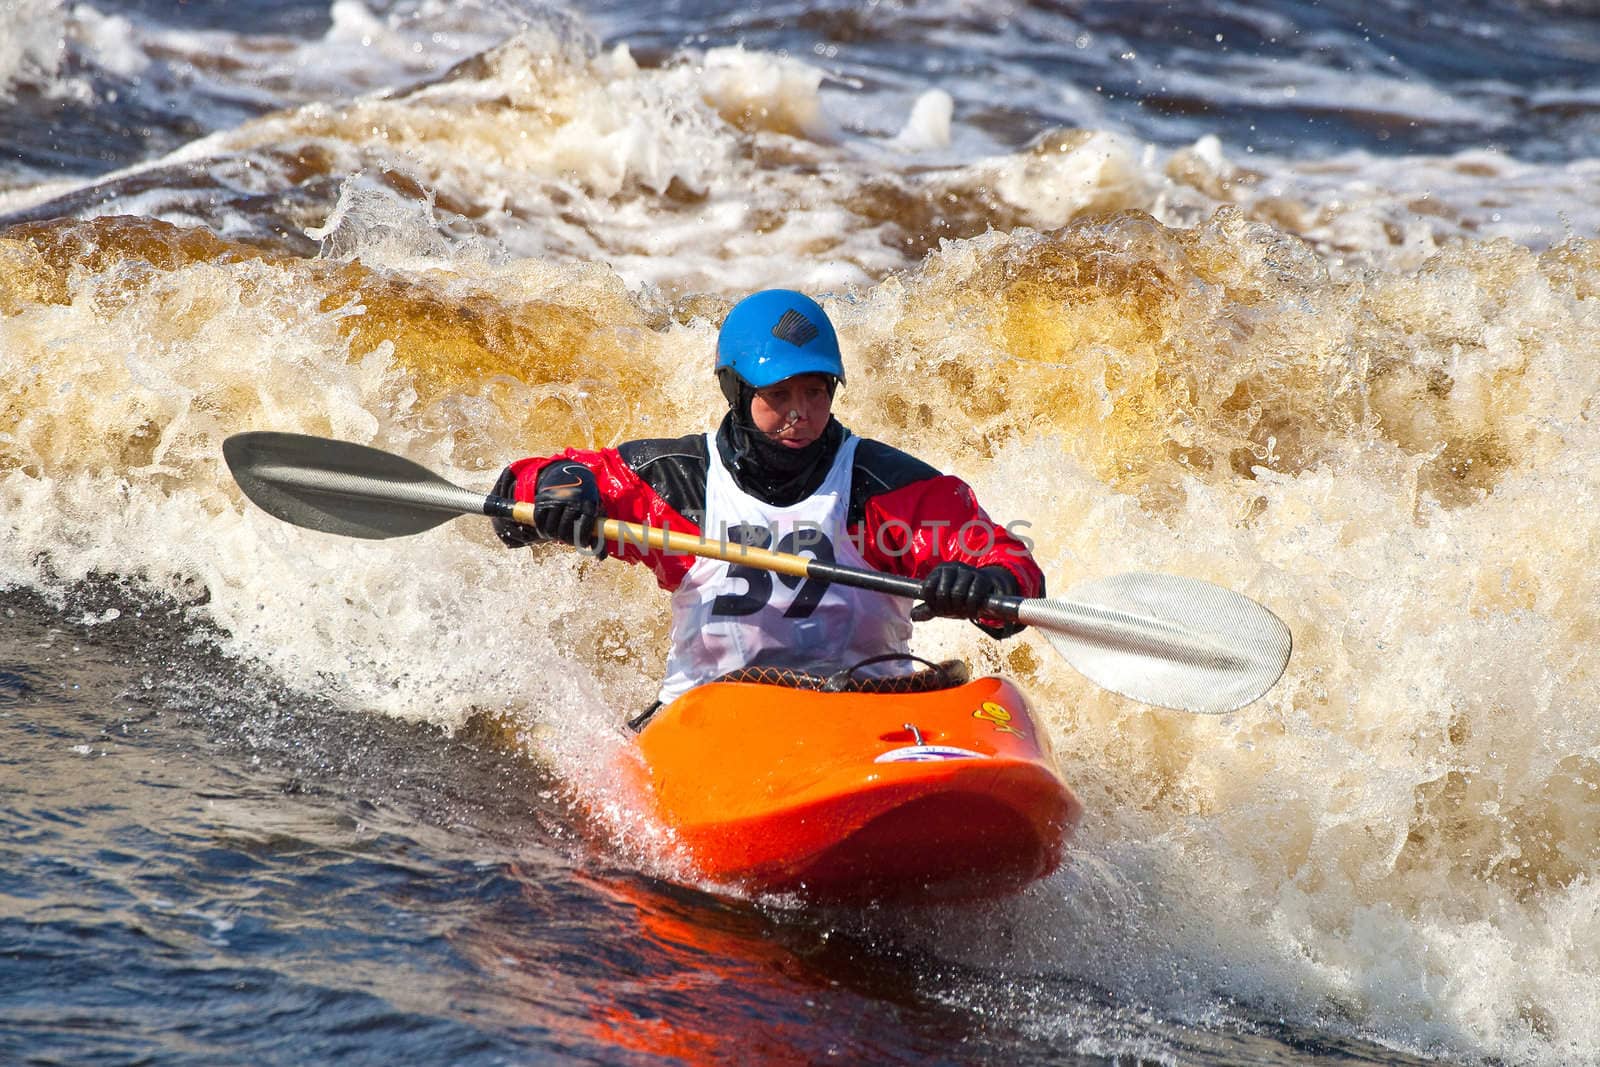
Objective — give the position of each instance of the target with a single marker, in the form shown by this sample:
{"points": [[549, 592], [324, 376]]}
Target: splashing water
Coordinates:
{"points": [[1384, 434]]}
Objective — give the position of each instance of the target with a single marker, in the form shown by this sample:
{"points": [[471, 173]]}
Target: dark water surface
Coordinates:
{"points": [[196, 869], [1290, 78]]}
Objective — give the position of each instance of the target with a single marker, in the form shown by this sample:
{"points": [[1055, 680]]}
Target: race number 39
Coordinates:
{"points": [[759, 588]]}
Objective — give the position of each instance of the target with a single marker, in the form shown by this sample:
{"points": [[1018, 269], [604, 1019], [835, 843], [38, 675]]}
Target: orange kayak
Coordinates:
{"points": [[928, 796]]}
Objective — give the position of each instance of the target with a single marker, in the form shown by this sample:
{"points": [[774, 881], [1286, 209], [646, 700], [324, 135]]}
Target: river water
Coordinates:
{"points": [[1297, 298]]}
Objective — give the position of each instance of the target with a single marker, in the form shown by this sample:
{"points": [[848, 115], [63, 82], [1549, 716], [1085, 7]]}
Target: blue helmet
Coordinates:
{"points": [[776, 334]]}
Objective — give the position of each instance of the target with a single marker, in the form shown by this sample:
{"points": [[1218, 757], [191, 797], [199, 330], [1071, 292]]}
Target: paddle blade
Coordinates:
{"points": [[1173, 642], [343, 488]]}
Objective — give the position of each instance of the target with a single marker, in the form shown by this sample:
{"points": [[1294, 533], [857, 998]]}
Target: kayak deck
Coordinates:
{"points": [[941, 795]]}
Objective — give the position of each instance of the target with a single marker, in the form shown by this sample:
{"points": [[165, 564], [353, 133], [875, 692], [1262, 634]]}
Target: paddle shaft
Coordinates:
{"points": [[1160, 639], [683, 544], [1139, 627]]}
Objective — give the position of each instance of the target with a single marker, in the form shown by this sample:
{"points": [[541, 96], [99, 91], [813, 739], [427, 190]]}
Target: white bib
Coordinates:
{"points": [[728, 615]]}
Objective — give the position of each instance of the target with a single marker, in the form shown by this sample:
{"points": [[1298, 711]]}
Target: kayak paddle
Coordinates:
{"points": [[1159, 639]]}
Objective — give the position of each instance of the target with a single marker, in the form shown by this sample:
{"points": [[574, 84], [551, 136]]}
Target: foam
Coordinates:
{"points": [[1397, 465], [1286, 377], [31, 44], [703, 173]]}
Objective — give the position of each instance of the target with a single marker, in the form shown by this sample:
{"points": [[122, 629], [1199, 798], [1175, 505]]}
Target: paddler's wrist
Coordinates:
{"points": [[512, 534], [1009, 585]]}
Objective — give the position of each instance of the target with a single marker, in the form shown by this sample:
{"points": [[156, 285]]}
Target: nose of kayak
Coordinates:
{"points": [[974, 834], [935, 796]]}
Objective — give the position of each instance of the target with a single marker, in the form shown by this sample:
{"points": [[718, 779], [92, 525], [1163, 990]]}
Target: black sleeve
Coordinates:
{"points": [[880, 468], [675, 468]]}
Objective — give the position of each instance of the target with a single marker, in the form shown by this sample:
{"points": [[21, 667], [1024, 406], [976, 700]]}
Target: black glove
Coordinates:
{"points": [[512, 534], [957, 591], [566, 507]]}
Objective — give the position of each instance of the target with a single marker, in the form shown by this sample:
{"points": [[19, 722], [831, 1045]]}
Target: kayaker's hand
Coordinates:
{"points": [[566, 506], [955, 591], [512, 534]]}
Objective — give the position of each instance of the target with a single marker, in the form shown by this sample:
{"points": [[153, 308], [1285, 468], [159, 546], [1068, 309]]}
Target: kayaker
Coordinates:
{"points": [[780, 472]]}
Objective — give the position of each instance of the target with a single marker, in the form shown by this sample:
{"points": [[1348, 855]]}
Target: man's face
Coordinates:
{"points": [[794, 411]]}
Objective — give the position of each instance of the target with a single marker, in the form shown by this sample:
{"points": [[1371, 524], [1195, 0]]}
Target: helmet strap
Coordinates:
{"points": [[730, 381]]}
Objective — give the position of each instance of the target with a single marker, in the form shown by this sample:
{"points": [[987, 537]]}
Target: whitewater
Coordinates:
{"points": [[1300, 300]]}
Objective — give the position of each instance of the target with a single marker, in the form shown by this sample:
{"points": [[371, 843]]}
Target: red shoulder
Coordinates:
{"points": [[912, 529]]}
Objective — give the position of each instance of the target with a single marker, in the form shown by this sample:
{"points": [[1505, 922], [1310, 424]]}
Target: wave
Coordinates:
{"points": [[1357, 388], [729, 168], [31, 33], [1397, 463]]}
